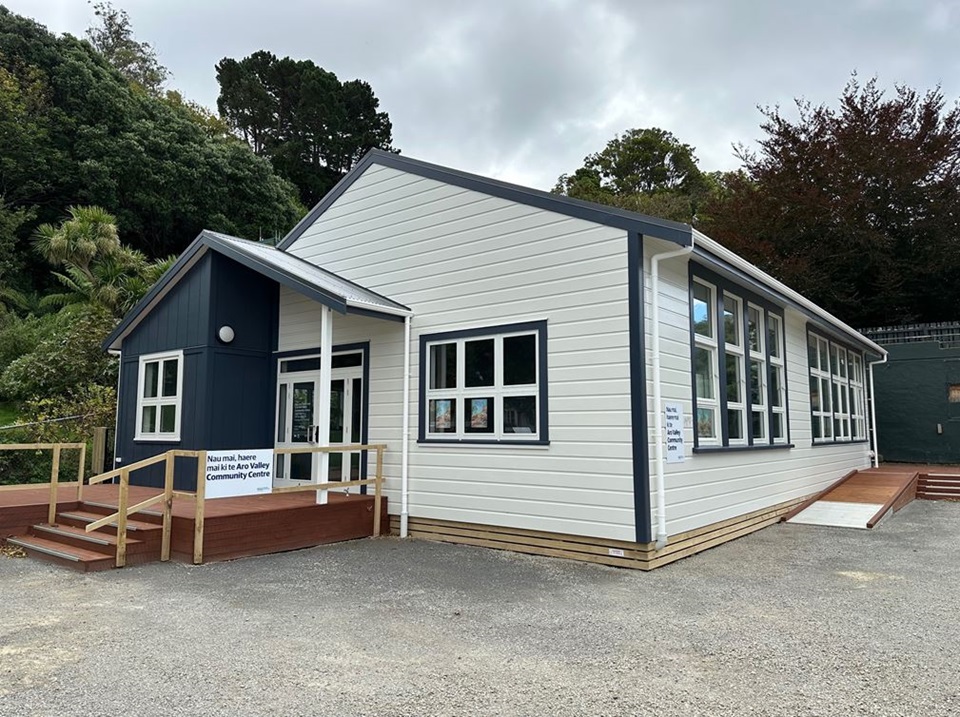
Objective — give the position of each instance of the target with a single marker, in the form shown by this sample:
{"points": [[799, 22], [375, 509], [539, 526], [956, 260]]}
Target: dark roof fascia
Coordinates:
{"points": [[769, 293], [337, 303], [206, 240], [674, 232]]}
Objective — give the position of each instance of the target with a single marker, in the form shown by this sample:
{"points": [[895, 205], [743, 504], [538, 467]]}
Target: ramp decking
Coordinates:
{"points": [[861, 499]]}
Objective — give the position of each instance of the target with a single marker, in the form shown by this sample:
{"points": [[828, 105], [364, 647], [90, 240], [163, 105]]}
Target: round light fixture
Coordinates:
{"points": [[225, 334]]}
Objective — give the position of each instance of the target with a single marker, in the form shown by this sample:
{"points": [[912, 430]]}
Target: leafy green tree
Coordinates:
{"points": [[137, 61], [97, 269], [644, 170], [857, 206], [312, 126], [73, 131]]}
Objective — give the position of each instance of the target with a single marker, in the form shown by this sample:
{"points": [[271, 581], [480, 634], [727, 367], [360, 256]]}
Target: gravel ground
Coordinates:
{"points": [[794, 620]]}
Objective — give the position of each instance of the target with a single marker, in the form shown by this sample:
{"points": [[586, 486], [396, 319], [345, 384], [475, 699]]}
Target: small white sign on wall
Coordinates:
{"points": [[241, 472], [673, 413]]}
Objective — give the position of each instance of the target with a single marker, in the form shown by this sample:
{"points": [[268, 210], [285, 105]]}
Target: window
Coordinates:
{"points": [[837, 409], [159, 394], [484, 385], [738, 368]]}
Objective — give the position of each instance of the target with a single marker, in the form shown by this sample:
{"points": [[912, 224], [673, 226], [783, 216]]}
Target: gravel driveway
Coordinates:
{"points": [[794, 620]]}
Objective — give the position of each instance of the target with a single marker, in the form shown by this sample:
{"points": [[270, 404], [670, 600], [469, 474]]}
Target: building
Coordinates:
{"points": [[511, 347], [918, 393]]}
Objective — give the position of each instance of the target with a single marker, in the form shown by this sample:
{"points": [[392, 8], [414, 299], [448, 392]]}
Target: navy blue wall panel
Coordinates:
{"points": [[228, 389]]}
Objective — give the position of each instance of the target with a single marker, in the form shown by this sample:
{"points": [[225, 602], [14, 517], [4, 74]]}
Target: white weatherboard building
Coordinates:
{"points": [[516, 351]]}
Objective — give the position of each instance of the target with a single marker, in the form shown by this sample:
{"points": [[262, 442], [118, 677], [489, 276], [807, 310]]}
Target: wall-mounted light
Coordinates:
{"points": [[225, 334]]}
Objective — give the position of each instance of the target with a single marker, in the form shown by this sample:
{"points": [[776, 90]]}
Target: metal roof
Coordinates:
{"points": [[314, 282]]}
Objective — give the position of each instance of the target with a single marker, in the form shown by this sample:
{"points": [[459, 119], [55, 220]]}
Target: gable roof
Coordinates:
{"points": [[675, 232], [312, 281]]}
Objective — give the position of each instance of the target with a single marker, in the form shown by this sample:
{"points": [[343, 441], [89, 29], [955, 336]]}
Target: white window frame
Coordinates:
{"points": [[498, 391], [841, 411], [159, 400], [723, 350], [710, 345]]}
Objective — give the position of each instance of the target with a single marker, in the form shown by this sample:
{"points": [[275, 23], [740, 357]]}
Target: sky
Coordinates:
{"points": [[523, 90]]}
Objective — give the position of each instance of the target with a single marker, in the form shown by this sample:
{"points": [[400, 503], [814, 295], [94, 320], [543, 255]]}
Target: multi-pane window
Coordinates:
{"points": [[837, 410], [739, 370], [484, 386], [159, 390]]}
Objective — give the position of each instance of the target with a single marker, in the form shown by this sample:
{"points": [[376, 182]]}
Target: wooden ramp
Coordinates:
{"points": [[860, 499]]}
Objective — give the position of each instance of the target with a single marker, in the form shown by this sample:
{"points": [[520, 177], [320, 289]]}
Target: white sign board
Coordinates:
{"points": [[673, 413], [241, 472]]}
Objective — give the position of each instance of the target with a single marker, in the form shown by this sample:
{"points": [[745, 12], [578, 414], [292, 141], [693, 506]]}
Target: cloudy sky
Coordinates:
{"points": [[522, 90]]}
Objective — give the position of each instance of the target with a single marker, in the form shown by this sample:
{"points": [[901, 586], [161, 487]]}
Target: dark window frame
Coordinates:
{"points": [[543, 434], [746, 297]]}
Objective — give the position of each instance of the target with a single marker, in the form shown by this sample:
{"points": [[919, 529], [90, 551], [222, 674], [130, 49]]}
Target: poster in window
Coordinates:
{"points": [[479, 413], [442, 413]]}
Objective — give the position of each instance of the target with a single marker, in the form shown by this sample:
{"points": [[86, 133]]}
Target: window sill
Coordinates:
{"points": [[739, 449], [821, 444], [478, 442], [156, 439]]}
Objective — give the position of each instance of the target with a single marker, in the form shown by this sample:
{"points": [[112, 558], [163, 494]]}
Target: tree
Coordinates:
{"points": [[313, 127], [857, 207], [137, 61], [644, 170], [74, 131], [98, 270]]}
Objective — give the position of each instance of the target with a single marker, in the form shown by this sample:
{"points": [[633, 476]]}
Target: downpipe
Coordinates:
{"points": [[405, 449], [875, 458], [661, 540]]}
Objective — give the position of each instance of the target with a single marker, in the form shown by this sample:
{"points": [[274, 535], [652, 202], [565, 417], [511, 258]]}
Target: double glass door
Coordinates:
{"points": [[298, 395]]}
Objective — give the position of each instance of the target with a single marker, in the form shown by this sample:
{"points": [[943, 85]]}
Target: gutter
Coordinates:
{"points": [[657, 393]]}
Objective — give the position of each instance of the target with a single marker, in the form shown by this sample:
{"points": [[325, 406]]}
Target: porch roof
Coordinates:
{"points": [[314, 282]]}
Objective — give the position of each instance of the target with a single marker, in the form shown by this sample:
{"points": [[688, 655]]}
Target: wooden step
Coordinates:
{"points": [[105, 543], [146, 516], [80, 518], [67, 555], [938, 487]]}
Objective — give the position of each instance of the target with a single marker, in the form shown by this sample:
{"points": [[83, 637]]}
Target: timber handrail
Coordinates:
{"points": [[57, 448], [124, 510]]}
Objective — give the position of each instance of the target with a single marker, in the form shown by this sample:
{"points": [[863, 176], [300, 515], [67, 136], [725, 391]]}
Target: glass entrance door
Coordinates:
{"points": [[298, 393]]}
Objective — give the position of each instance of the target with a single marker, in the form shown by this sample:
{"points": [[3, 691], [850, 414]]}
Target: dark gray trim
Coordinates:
{"points": [[814, 329], [639, 437], [374, 314], [675, 232], [723, 284], [769, 294], [740, 449], [543, 378]]}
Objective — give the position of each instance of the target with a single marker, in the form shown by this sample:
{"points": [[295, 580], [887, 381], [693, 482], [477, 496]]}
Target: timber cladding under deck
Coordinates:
{"points": [[616, 553]]}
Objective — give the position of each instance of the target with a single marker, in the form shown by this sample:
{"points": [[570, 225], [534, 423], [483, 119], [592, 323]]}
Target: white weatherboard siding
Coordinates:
{"points": [[463, 260], [707, 488]]}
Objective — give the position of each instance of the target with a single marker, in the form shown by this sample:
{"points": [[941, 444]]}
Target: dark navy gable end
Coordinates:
{"points": [[227, 398]]}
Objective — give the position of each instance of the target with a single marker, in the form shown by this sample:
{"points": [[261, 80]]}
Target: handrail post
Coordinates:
{"points": [[81, 470], [167, 507], [377, 490], [122, 518], [54, 478], [198, 508]]}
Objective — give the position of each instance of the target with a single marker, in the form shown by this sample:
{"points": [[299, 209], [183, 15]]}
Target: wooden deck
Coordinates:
{"points": [[233, 527]]}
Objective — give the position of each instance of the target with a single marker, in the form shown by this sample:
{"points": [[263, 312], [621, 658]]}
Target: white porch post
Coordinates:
{"points": [[323, 418]]}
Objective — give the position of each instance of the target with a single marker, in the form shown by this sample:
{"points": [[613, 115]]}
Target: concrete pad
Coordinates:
{"points": [[837, 514]]}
